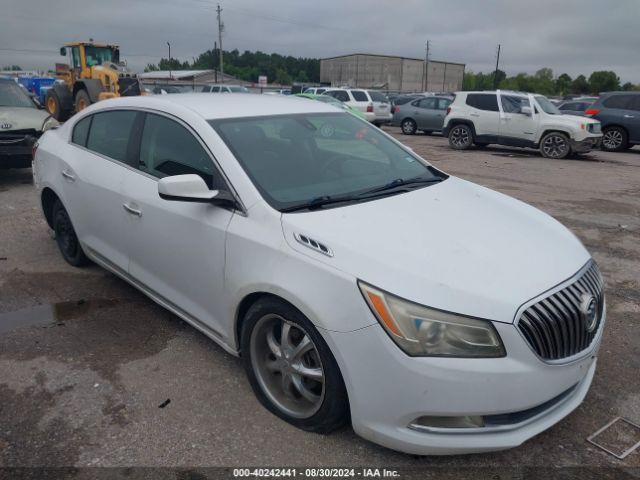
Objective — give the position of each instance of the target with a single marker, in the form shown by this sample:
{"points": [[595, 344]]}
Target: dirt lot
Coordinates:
{"points": [[94, 373]]}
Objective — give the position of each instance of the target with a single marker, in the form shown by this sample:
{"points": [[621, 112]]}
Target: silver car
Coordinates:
{"points": [[426, 114], [577, 106], [22, 121]]}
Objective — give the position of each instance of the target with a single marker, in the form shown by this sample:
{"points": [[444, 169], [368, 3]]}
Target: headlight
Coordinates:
{"points": [[49, 123], [421, 331]]}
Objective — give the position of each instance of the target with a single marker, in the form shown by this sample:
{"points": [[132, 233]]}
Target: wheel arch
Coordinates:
{"points": [[246, 303], [48, 199], [616, 125], [461, 121], [92, 86], [552, 130]]}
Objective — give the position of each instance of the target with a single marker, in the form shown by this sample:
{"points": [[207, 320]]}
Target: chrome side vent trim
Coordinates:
{"points": [[313, 244]]}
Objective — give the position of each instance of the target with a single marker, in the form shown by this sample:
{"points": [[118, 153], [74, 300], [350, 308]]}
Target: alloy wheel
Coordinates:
{"points": [[408, 127], [460, 137], [287, 366], [555, 146], [612, 139]]}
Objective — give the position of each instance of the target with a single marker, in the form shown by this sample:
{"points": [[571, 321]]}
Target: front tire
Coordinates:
{"points": [[54, 106], [291, 369], [82, 100], [66, 237], [408, 126], [460, 137], [555, 145], [615, 139]]}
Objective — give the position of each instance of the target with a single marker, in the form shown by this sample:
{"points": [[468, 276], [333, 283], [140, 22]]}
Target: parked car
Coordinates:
{"points": [[333, 101], [519, 120], [373, 104], [315, 90], [402, 99], [225, 89], [577, 106], [334, 261], [423, 113], [22, 121], [619, 113]]}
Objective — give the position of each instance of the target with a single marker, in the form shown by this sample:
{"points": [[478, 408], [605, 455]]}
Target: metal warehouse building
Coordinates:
{"points": [[391, 73]]}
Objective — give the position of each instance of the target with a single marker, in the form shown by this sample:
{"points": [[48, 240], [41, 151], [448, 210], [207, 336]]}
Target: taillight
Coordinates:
{"points": [[370, 109], [448, 110], [396, 109], [590, 112]]}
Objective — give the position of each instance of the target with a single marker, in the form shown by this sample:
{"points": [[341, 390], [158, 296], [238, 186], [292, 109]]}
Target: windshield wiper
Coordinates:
{"points": [[401, 182], [395, 186]]}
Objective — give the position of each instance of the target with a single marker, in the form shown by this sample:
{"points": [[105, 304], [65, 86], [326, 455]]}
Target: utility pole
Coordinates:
{"points": [[169, 60], [220, 29], [495, 74], [426, 65], [215, 50]]}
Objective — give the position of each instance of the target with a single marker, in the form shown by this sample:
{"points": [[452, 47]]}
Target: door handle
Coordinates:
{"points": [[629, 116], [68, 176], [132, 210], [474, 114]]}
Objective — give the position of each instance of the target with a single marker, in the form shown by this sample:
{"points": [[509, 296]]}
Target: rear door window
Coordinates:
{"points": [[109, 133], [359, 96], [429, 103], [80, 131], [443, 103], [619, 101], [378, 97], [168, 148], [570, 106], [483, 101], [340, 95]]}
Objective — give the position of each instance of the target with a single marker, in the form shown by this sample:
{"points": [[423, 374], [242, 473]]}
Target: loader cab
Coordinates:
{"points": [[83, 56]]}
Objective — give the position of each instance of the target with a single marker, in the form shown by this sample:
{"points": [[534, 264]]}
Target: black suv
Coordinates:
{"points": [[619, 113]]}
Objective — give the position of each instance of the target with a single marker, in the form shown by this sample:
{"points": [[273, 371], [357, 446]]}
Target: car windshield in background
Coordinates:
{"points": [[239, 89], [547, 106], [296, 160], [378, 97], [12, 95]]}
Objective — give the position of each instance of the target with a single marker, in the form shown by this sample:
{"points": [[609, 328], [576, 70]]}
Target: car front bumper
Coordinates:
{"points": [[18, 156], [586, 145], [388, 391]]}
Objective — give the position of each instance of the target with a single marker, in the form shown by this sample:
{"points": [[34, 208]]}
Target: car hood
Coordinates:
{"points": [[572, 120], [21, 118], [454, 246]]}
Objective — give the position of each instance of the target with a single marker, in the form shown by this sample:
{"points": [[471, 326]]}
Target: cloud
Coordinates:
{"points": [[570, 36]]}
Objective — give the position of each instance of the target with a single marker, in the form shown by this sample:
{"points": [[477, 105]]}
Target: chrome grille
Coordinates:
{"points": [[561, 325]]}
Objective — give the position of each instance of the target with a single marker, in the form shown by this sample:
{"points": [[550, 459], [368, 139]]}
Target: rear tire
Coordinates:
{"points": [[54, 106], [66, 237], [555, 145], [408, 126], [460, 137], [272, 333], [615, 139]]}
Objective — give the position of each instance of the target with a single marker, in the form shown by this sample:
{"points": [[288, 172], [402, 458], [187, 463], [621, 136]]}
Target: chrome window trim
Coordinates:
{"points": [[242, 210]]}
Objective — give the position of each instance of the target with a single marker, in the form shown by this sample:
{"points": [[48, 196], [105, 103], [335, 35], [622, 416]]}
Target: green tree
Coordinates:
{"points": [[580, 85], [627, 87], [603, 81], [563, 84]]}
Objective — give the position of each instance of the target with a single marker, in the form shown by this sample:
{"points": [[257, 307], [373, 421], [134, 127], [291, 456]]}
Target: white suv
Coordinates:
{"points": [[375, 105], [519, 120]]}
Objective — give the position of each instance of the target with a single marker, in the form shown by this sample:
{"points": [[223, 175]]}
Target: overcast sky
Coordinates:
{"points": [[567, 35]]}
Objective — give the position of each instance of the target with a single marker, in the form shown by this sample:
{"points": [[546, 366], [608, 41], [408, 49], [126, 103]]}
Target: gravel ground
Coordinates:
{"points": [[92, 373]]}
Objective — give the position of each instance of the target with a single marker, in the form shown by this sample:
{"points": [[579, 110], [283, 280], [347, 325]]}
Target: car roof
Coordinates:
{"points": [[230, 105]]}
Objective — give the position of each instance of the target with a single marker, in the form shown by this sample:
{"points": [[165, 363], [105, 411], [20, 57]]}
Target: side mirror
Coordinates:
{"points": [[63, 51], [191, 188], [525, 111]]}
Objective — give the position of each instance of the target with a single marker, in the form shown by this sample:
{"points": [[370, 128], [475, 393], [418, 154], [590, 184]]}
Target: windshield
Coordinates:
{"points": [[294, 159], [547, 106], [12, 95], [239, 89], [99, 55]]}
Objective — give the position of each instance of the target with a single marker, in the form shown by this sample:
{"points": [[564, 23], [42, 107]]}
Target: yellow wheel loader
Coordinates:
{"points": [[94, 72]]}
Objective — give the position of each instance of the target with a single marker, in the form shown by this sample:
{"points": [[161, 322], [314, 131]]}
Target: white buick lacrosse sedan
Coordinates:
{"points": [[359, 283]]}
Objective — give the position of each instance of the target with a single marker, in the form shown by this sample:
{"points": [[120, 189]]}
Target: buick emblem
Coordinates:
{"points": [[589, 311], [6, 126]]}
